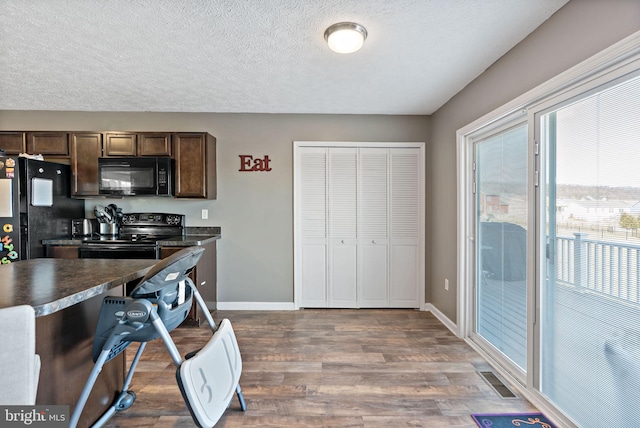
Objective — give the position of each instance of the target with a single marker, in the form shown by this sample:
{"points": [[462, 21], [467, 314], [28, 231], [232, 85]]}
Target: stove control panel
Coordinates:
{"points": [[152, 219]]}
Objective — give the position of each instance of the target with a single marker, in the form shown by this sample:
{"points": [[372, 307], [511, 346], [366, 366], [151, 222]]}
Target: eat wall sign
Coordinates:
{"points": [[249, 163]]}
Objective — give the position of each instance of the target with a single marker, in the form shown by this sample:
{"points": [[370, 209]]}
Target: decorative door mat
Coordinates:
{"points": [[509, 420]]}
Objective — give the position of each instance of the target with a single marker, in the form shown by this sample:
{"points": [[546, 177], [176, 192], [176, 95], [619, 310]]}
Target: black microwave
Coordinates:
{"points": [[144, 176]]}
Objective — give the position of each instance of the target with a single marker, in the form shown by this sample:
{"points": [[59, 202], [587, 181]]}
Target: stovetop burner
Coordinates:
{"points": [[138, 237], [142, 228]]}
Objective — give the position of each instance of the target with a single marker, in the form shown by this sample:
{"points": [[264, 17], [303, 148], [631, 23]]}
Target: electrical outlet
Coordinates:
{"points": [[446, 284], [205, 214]]}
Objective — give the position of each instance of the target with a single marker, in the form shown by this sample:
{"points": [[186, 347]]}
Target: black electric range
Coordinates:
{"points": [[138, 237]]}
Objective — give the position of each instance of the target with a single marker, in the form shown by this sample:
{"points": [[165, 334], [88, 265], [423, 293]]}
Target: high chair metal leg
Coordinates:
{"points": [[243, 404]]}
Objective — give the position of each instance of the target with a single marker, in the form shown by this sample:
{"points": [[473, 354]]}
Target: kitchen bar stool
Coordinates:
{"points": [[19, 363]]}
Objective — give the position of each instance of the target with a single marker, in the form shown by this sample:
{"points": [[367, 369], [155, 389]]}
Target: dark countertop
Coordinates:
{"points": [[176, 241], [193, 236], [188, 240], [50, 285]]}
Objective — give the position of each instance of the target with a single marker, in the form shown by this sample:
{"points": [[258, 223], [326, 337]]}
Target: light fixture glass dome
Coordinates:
{"points": [[345, 37]]}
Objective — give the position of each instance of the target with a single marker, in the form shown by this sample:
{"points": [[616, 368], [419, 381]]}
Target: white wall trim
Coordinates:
{"points": [[255, 306], [442, 318], [463, 256]]}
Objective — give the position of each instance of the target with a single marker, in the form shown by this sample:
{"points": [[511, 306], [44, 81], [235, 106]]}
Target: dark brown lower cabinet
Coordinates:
{"points": [[63, 251]]}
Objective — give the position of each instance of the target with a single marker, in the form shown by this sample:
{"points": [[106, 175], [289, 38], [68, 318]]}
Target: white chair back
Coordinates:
{"points": [[19, 363]]}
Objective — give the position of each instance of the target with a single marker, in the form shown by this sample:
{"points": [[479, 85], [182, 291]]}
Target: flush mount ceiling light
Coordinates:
{"points": [[345, 37]]}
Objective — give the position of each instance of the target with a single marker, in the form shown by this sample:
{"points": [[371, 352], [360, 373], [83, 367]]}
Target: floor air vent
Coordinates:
{"points": [[493, 380]]}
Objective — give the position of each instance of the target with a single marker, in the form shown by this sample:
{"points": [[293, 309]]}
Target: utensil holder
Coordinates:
{"points": [[108, 229]]}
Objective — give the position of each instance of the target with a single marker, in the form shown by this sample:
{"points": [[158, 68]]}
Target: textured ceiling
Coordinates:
{"points": [[262, 56]]}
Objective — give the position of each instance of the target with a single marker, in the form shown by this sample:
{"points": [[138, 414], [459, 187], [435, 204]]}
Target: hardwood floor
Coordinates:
{"points": [[329, 368]]}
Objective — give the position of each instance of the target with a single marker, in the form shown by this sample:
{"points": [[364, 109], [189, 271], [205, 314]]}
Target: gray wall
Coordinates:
{"points": [[255, 256], [254, 209], [579, 30]]}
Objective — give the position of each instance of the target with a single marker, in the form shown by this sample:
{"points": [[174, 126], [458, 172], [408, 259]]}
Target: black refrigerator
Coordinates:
{"points": [[35, 204]]}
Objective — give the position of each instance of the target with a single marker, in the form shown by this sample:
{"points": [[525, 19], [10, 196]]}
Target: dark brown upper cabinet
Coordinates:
{"points": [[195, 165], [86, 148], [154, 144], [13, 143], [137, 144], [120, 144], [194, 154], [48, 143]]}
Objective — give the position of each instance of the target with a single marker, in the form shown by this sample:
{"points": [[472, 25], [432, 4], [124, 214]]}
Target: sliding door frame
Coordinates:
{"points": [[614, 62]]}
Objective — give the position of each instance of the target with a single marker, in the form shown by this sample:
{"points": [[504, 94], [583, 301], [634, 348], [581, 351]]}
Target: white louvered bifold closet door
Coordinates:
{"points": [[407, 193], [343, 222], [373, 236], [311, 198], [359, 229]]}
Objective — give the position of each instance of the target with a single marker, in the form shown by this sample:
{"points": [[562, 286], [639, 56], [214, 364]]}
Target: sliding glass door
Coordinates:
{"points": [[501, 244], [589, 273], [549, 241]]}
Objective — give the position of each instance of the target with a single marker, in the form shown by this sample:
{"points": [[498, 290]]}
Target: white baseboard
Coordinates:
{"points": [[290, 306], [255, 306], [442, 318]]}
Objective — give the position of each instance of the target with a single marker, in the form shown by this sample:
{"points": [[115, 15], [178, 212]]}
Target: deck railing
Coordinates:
{"points": [[609, 268]]}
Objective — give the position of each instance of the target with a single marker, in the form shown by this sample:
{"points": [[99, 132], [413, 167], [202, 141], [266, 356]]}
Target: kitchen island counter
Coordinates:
{"points": [[50, 285]]}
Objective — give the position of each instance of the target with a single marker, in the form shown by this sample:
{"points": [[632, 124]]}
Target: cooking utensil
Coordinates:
{"points": [[119, 215], [98, 213], [102, 215], [111, 210]]}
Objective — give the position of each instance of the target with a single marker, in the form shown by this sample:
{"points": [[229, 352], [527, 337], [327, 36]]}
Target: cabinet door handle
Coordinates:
{"points": [[373, 241], [342, 241]]}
